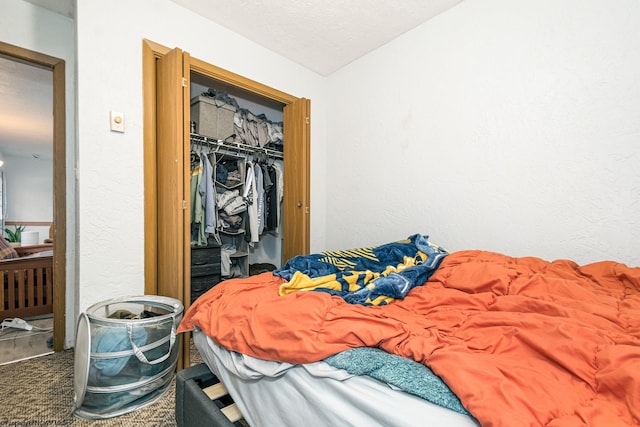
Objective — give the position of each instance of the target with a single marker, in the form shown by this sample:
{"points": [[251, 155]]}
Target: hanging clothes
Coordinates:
{"points": [[198, 234], [250, 193], [259, 199], [271, 198], [279, 184], [208, 194]]}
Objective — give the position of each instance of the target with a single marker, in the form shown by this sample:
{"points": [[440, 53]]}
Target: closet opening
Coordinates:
{"points": [[55, 228], [167, 75], [237, 162]]}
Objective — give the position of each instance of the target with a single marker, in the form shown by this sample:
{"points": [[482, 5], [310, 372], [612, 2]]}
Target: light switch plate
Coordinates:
{"points": [[117, 122]]}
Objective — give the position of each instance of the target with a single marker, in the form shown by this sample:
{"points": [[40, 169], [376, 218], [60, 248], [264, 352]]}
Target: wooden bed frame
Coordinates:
{"points": [[27, 283]]}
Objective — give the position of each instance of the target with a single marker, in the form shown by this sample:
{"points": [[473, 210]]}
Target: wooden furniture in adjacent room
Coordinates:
{"points": [[33, 249], [27, 283]]}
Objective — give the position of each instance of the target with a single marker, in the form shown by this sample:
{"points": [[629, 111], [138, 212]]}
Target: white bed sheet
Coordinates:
{"points": [[317, 395]]}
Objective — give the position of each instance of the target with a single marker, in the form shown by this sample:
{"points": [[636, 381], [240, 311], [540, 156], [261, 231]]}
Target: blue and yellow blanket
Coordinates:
{"points": [[368, 276]]}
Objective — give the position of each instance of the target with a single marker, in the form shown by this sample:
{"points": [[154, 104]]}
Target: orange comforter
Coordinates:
{"points": [[521, 341]]}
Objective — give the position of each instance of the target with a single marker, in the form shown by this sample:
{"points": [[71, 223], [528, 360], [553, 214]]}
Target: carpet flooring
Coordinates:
{"points": [[39, 392]]}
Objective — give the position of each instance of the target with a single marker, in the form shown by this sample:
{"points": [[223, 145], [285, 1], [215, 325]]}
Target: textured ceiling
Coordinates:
{"points": [[322, 35]]}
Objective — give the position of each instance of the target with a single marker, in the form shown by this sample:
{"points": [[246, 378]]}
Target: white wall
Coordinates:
{"points": [[110, 165], [29, 192], [511, 126], [30, 27]]}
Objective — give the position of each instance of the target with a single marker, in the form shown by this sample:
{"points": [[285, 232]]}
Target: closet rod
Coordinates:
{"points": [[235, 146]]}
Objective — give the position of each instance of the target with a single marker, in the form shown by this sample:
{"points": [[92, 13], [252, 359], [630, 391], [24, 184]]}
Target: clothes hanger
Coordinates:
{"points": [[193, 155]]}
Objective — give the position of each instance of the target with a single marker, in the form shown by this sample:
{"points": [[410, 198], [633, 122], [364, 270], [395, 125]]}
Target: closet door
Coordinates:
{"points": [[172, 176], [296, 209], [172, 154], [167, 216]]}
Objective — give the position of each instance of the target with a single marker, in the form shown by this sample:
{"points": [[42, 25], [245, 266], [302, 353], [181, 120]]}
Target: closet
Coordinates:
{"points": [[236, 139], [167, 76]]}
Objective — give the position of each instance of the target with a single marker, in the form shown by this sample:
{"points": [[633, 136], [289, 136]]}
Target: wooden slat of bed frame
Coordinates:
{"points": [[215, 391], [12, 290], [218, 390], [30, 289], [232, 412]]}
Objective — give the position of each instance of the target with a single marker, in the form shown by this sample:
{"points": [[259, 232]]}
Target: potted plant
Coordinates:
{"points": [[14, 236]]}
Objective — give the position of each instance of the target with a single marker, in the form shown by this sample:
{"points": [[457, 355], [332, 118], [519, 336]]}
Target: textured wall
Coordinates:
{"points": [[29, 189], [500, 125], [110, 165]]}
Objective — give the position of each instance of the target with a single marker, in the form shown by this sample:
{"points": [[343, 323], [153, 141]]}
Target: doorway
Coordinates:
{"points": [[166, 83], [57, 233]]}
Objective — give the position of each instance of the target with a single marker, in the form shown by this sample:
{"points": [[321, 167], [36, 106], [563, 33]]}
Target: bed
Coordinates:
{"points": [[27, 283], [504, 341]]}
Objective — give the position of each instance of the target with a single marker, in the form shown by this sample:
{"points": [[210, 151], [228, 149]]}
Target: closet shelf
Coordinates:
{"points": [[239, 254], [234, 146], [229, 187], [237, 232]]}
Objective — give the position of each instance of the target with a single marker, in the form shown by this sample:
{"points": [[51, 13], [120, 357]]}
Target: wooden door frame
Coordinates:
{"points": [[57, 66], [151, 51]]}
